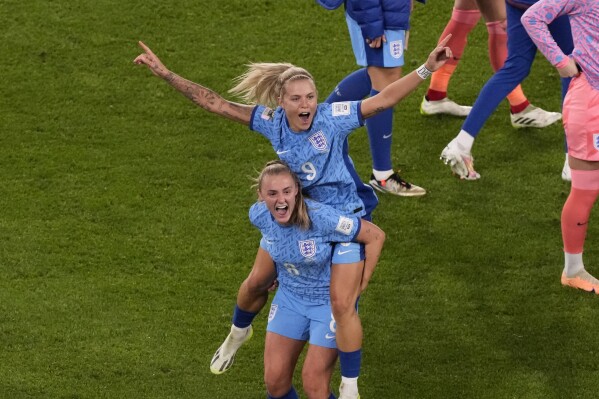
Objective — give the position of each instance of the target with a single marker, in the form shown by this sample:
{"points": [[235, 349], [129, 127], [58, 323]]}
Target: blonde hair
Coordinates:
{"points": [[263, 83], [299, 216]]}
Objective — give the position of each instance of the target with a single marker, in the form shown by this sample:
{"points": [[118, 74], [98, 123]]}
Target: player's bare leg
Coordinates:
{"points": [[345, 289], [251, 298]]}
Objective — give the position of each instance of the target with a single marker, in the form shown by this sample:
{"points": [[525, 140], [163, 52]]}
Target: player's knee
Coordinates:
{"points": [[343, 306], [314, 387], [517, 69], [277, 384]]}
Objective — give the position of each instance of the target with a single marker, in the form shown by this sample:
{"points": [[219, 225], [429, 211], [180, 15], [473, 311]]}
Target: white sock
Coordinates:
{"points": [[573, 264], [464, 141], [237, 332], [382, 175], [350, 383]]}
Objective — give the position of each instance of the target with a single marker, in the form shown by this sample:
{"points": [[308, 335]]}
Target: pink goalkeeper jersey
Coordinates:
{"points": [[584, 19]]}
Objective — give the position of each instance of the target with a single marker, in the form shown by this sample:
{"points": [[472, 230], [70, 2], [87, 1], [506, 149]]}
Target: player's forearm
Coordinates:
{"points": [[210, 100], [391, 95], [401, 88]]}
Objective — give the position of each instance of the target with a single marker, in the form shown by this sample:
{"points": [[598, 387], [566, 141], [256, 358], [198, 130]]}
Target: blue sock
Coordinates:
{"points": [[292, 394], [349, 362], [241, 318], [353, 87], [332, 396], [380, 129]]}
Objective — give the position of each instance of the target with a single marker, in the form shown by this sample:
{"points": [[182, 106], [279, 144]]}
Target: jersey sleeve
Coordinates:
{"points": [[333, 225], [263, 121], [536, 20], [259, 215], [345, 116]]}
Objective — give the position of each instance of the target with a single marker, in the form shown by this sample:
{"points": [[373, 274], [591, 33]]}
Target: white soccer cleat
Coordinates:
{"points": [[566, 171], [534, 117], [225, 355], [395, 185], [348, 392], [461, 163], [445, 106]]}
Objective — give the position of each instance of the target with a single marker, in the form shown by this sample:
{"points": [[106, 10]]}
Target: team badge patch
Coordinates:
{"points": [[344, 225], [273, 312], [319, 141], [340, 109], [307, 248], [267, 114], [396, 48], [596, 141]]}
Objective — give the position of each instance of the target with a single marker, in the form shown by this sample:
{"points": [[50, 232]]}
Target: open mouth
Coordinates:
{"points": [[304, 116], [281, 210]]}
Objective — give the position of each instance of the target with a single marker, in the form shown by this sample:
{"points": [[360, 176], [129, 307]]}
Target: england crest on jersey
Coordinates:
{"points": [[307, 248], [396, 49], [319, 141], [596, 141]]}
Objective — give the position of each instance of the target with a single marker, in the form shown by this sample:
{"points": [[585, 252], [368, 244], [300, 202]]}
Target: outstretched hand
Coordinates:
{"points": [[150, 59], [439, 56]]}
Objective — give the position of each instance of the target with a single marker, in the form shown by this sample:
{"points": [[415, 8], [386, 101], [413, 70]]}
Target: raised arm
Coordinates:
{"points": [[200, 95], [373, 239], [400, 89]]}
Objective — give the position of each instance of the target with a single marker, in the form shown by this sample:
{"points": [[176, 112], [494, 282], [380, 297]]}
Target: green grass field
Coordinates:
{"points": [[123, 214]]}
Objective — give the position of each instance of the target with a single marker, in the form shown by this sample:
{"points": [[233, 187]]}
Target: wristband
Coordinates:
{"points": [[423, 72]]}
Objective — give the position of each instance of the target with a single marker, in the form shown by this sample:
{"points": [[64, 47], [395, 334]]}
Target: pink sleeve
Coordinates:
{"points": [[535, 21]]}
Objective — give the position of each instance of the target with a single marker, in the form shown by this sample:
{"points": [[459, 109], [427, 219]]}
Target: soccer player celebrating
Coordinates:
{"points": [[312, 139], [581, 119], [297, 234]]}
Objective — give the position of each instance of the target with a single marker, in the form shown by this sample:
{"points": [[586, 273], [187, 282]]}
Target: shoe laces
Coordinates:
{"points": [[396, 179]]}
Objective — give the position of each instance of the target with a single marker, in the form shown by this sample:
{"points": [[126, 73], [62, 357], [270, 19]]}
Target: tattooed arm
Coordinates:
{"points": [[202, 96], [398, 90]]}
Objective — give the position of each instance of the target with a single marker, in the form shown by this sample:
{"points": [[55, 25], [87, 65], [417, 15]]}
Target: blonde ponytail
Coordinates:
{"points": [[263, 83]]}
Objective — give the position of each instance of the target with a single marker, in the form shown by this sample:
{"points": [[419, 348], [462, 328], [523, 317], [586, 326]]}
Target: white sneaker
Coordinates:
{"points": [[445, 106], [225, 355], [348, 392], [534, 117], [461, 163], [394, 184], [566, 172]]}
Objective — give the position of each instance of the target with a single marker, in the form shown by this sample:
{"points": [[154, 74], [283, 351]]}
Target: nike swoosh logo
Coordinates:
{"points": [[386, 136], [340, 252], [582, 224], [329, 336], [281, 152]]}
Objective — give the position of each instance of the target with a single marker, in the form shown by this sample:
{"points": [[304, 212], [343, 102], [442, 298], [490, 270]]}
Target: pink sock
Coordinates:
{"points": [[577, 209]]}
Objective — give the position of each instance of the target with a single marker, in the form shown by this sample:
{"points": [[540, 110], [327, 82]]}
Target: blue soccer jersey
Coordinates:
{"points": [[303, 257], [319, 156]]}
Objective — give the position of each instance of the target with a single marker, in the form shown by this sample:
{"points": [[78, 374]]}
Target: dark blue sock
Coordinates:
{"points": [[380, 130], [349, 362], [332, 396], [292, 394], [241, 318], [353, 87]]}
